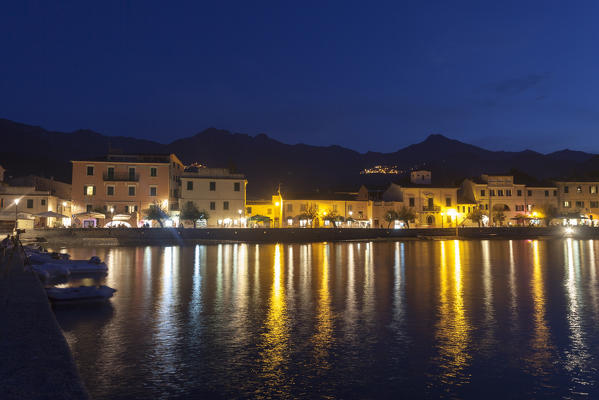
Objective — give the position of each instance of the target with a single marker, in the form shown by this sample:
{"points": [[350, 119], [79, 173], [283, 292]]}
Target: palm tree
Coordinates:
{"points": [[155, 213], [391, 216], [499, 216], [189, 212], [310, 214], [476, 216], [548, 212], [406, 215]]}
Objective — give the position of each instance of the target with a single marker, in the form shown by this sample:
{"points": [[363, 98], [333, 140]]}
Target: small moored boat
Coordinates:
{"points": [[80, 294]]}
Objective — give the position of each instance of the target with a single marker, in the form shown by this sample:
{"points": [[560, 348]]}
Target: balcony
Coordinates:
{"points": [[121, 177], [431, 208]]}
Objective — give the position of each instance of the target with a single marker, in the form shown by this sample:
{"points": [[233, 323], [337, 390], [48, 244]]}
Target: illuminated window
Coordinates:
{"points": [[578, 189], [566, 204], [593, 189], [89, 190]]}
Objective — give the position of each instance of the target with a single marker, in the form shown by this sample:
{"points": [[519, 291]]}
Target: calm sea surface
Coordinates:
{"points": [[460, 319]]}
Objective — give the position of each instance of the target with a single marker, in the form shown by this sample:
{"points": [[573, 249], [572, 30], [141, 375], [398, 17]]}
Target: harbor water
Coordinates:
{"points": [[456, 319]]}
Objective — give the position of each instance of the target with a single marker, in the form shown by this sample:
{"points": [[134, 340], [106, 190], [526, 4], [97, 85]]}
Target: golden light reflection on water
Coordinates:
{"points": [[324, 326], [452, 334], [540, 357], [275, 346]]}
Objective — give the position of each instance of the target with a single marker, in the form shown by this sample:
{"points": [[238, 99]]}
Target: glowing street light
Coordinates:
{"points": [[16, 212], [454, 214]]}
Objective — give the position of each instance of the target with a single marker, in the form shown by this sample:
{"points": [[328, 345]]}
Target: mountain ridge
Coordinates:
{"points": [[268, 162]]}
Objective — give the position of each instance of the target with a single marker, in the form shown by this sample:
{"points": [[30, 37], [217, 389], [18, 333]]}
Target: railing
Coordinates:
{"points": [[431, 208], [121, 177]]}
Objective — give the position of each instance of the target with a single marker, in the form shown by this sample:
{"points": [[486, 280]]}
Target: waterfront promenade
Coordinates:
{"points": [[178, 236], [36, 360]]}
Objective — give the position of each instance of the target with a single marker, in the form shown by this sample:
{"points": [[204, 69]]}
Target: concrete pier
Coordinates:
{"points": [[35, 359]]}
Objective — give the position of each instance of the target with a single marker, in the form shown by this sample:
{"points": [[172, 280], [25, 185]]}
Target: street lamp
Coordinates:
{"points": [[454, 214], [16, 213]]}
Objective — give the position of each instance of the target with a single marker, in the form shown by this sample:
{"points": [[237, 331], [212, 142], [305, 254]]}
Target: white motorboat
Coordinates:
{"points": [[80, 294], [92, 266], [51, 270]]}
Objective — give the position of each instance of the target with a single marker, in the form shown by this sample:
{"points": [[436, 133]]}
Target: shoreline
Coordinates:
{"points": [[37, 362], [183, 236]]}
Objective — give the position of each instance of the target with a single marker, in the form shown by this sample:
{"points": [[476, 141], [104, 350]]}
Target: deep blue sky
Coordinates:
{"points": [[365, 75]]}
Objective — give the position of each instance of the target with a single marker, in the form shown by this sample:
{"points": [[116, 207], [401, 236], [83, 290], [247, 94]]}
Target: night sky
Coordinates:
{"points": [[364, 75]]}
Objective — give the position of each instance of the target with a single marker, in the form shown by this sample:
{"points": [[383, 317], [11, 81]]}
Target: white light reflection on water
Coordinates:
{"points": [[166, 331], [577, 357]]}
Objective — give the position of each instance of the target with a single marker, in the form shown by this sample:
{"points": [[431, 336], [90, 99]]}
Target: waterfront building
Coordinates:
{"points": [[218, 192], [428, 203], [118, 189], [293, 210], [578, 201], [506, 202], [32, 208]]}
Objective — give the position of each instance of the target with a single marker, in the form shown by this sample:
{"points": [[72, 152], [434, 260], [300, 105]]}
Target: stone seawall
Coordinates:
{"points": [[36, 362], [174, 236]]}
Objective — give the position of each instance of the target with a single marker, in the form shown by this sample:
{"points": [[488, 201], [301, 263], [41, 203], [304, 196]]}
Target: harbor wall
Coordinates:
{"points": [[174, 236], [36, 359]]}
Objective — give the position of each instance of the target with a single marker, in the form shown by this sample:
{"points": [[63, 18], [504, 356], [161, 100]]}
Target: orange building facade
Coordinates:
{"points": [[122, 187]]}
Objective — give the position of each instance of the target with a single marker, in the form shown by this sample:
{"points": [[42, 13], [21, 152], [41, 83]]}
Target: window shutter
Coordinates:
{"points": [[94, 190], [84, 190]]}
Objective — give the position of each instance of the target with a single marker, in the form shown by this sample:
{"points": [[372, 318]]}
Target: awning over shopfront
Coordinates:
{"points": [[50, 214], [91, 214], [258, 218], [10, 216]]}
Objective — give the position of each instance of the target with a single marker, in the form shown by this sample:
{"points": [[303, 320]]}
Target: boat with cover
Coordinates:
{"points": [[80, 294]]}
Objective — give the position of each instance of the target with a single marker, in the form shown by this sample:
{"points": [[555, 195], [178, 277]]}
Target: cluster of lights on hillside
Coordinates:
{"points": [[381, 169]]}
